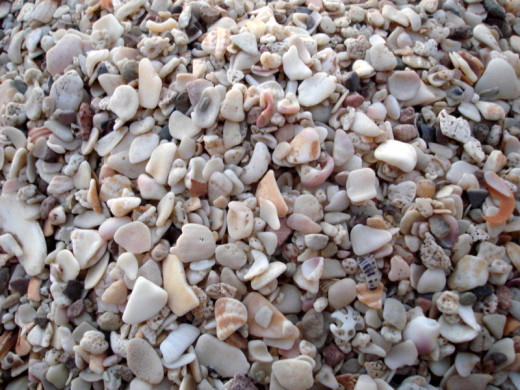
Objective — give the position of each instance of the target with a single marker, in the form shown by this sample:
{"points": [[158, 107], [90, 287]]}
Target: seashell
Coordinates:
{"points": [[216, 42], [230, 315], [36, 133], [305, 147], [221, 290], [293, 66], [424, 332], [205, 112], [499, 190], [403, 85], [279, 327], [312, 269], [465, 362], [368, 265], [456, 333], [402, 354], [370, 297], [265, 116], [314, 177]]}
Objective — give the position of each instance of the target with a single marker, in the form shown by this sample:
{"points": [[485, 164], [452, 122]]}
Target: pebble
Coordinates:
{"points": [[67, 91], [225, 359], [363, 125], [398, 154], [394, 313], [144, 302], [361, 246], [402, 354], [124, 102], [293, 374], [381, 58], [315, 89], [143, 361], [63, 53], [195, 243], [500, 74], [134, 237], [150, 84], [342, 293], [181, 297], [305, 147], [470, 272], [361, 185]]}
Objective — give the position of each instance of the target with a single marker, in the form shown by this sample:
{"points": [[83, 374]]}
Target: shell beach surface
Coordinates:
{"points": [[241, 195]]}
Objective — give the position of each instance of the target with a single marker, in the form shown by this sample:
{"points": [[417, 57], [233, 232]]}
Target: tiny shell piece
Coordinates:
{"points": [[371, 298], [231, 315], [181, 298], [216, 42]]}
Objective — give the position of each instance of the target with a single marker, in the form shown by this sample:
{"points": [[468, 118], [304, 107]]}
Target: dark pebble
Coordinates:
{"points": [[428, 133], [467, 299], [241, 382], [50, 156], [165, 133], [193, 29], [498, 358], [482, 291], [47, 205], [480, 131], [73, 290], [461, 33], [76, 309], [494, 9], [19, 285], [130, 70], [333, 355], [101, 69], [476, 215], [477, 196], [68, 360], [107, 126], [439, 137], [400, 64], [182, 102], [113, 248], [177, 9], [172, 234], [41, 321], [4, 278], [85, 120], [352, 82], [66, 118], [280, 18], [19, 85], [405, 132]]}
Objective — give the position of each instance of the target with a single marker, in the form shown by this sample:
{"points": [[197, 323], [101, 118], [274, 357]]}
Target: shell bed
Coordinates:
{"points": [[250, 195]]}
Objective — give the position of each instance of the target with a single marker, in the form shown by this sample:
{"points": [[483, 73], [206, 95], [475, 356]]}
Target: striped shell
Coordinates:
{"points": [[38, 132], [216, 42], [231, 315], [369, 267]]}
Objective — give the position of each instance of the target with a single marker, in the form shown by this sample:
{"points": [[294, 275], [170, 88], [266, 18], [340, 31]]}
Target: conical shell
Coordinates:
{"points": [[231, 315]]}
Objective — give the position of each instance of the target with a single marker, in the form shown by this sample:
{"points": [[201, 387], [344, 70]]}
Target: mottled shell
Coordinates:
{"points": [[231, 315], [216, 42], [369, 267], [221, 290]]}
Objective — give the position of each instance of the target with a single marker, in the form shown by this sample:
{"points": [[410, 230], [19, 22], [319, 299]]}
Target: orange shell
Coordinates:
{"points": [[499, 190], [371, 298]]}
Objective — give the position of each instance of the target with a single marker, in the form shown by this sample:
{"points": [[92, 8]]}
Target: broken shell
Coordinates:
{"points": [[231, 315]]}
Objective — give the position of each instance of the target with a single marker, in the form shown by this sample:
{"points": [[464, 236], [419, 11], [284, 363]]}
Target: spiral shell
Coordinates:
{"points": [[369, 267], [231, 315], [216, 42]]}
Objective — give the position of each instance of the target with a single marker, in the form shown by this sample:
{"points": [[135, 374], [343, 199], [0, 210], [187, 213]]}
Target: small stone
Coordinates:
{"points": [[342, 293], [124, 102], [398, 154], [293, 66], [394, 313], [67, 91], [19, 284], [76, 309], [381, 58], [134, 237], [293, 374], [352, 82], [130, 70], [407, 116], [399, 269], [470, 272], [499, 73], [225, 359], [333, 355], [467, 299], [93, 341], [144, 302], [363, 125], [316, 89], [63, 53], [361, 185], [195, 243], [305, 147], [181, 297], [178, 341], [150, 84], [362, 246], [405, 132], [402, 354], [144, 361], [477, 196], [239, 220], [404, 85]]}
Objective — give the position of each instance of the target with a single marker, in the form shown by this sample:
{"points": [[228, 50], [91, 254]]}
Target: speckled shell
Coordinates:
{"points": [[216, 42], [369, 267], [231, 315]]}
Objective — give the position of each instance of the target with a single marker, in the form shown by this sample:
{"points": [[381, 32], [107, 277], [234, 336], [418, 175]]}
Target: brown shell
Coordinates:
{"points": [[231, 315]]}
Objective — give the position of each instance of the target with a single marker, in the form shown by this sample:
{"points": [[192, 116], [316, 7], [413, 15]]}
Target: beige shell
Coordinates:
{"points": [[278, 327], [216, 42], [371, 298], [231, 315]]}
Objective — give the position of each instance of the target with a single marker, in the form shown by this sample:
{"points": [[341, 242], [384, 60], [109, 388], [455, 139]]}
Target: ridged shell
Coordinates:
{"points": [[38, 132], [231, 315], [369, 267], [216, 42]]}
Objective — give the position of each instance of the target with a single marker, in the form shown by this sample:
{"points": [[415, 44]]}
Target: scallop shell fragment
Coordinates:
{"points": [[231, 315]]}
